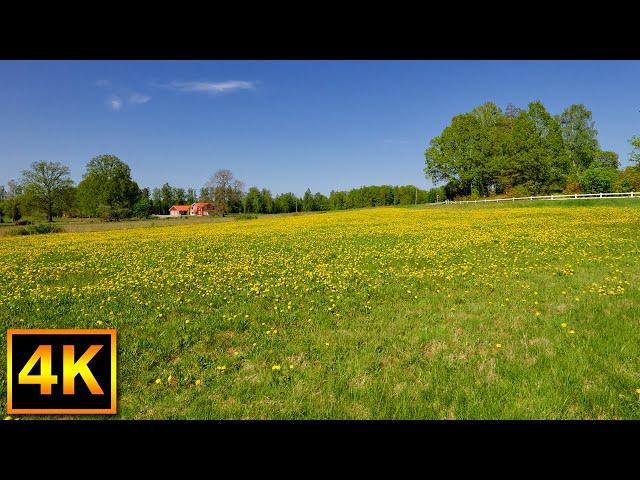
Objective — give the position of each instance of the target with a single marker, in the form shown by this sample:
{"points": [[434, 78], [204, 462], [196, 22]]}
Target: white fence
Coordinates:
{"points": [[575, 196]]}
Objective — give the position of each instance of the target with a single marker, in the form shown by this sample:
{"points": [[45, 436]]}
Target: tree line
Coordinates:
{"points": [[261, 201], [487, 151], [522, 152], [108, 191]]}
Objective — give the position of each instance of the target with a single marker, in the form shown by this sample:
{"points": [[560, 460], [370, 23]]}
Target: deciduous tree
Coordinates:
{"points": [[225, 191], [107, 184], [635, 153], [46, 186], [579, 134]]}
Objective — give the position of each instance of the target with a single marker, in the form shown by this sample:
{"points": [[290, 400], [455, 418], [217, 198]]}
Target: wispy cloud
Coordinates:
{"points": [[211, 87], [115, 104], [121, 96], [138, 98]]}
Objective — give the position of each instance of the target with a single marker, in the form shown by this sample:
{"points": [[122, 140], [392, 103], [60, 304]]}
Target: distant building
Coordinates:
{"points": [[176, 210], [199, 209]]}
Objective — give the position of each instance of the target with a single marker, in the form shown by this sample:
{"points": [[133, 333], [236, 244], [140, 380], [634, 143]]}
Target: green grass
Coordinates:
{"points": [[395, 312], [605, 202]]}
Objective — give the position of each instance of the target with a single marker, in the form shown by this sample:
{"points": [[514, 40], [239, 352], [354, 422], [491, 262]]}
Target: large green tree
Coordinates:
{"points": [[47, 186], [472, 150], [107, 185], [253, 202], [307, 201], [523, 151], [579, 134], [635, 153], [267, 201], [606, 159], [538, 158], [286, 203]]}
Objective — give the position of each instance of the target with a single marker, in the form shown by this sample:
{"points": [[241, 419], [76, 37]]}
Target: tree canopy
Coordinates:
{"points": [[107, 187], [528, 151], [635, 153], [47, 187], [579, 134], [224, 191]]}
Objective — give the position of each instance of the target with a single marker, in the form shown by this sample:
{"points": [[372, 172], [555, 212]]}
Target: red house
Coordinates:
{"points": [[176, 210], [198, 208], [201, 208]]}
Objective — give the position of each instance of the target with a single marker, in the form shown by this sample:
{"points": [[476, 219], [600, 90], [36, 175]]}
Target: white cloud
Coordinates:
{"points": [[121, 96], [138, 98], [115, 104], [212, 87]]}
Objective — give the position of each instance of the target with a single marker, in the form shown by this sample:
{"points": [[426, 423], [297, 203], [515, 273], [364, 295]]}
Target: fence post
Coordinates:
{"points": [[631, 193], [600, 194]]}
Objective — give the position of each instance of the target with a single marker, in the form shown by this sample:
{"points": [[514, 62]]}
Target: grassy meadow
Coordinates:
{"points": [[522, 311]]}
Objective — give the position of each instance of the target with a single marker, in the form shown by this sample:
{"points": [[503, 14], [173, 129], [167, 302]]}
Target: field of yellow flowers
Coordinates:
{"points": [[434, 312]]}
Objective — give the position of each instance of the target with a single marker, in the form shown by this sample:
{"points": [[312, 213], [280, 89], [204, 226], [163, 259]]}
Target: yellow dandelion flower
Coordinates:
{"points": [[198, 382], [498, 345], [572, 332], [158, 381], [275, 367], [563, 325]]}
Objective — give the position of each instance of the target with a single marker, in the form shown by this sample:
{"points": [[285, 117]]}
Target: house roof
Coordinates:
{"points": [[181, 208], [201, 204]]}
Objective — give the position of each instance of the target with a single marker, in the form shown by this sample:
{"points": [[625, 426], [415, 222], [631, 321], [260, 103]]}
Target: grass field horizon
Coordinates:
{"points": [[507, 311]]}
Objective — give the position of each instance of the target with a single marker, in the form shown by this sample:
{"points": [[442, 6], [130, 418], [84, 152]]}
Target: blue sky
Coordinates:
{"points": [[284, 125]]}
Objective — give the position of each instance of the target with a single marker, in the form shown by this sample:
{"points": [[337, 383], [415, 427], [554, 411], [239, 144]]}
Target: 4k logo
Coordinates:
{"points": [[61, 371]]}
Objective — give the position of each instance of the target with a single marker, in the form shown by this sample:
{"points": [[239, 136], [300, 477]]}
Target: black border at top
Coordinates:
{"points": [[476, 33]]}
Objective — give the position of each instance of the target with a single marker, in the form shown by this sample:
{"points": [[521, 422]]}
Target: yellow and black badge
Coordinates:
{"points": [[61, 371]]}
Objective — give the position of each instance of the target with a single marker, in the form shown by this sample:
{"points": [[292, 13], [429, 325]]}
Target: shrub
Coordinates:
{"points": [[112, 214], [142, 208], [598, 180], [628, 180], [574, 184], [45, 228], [22, 222], [14, 211], [518, 191], [36, 229], [246, 216]]}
